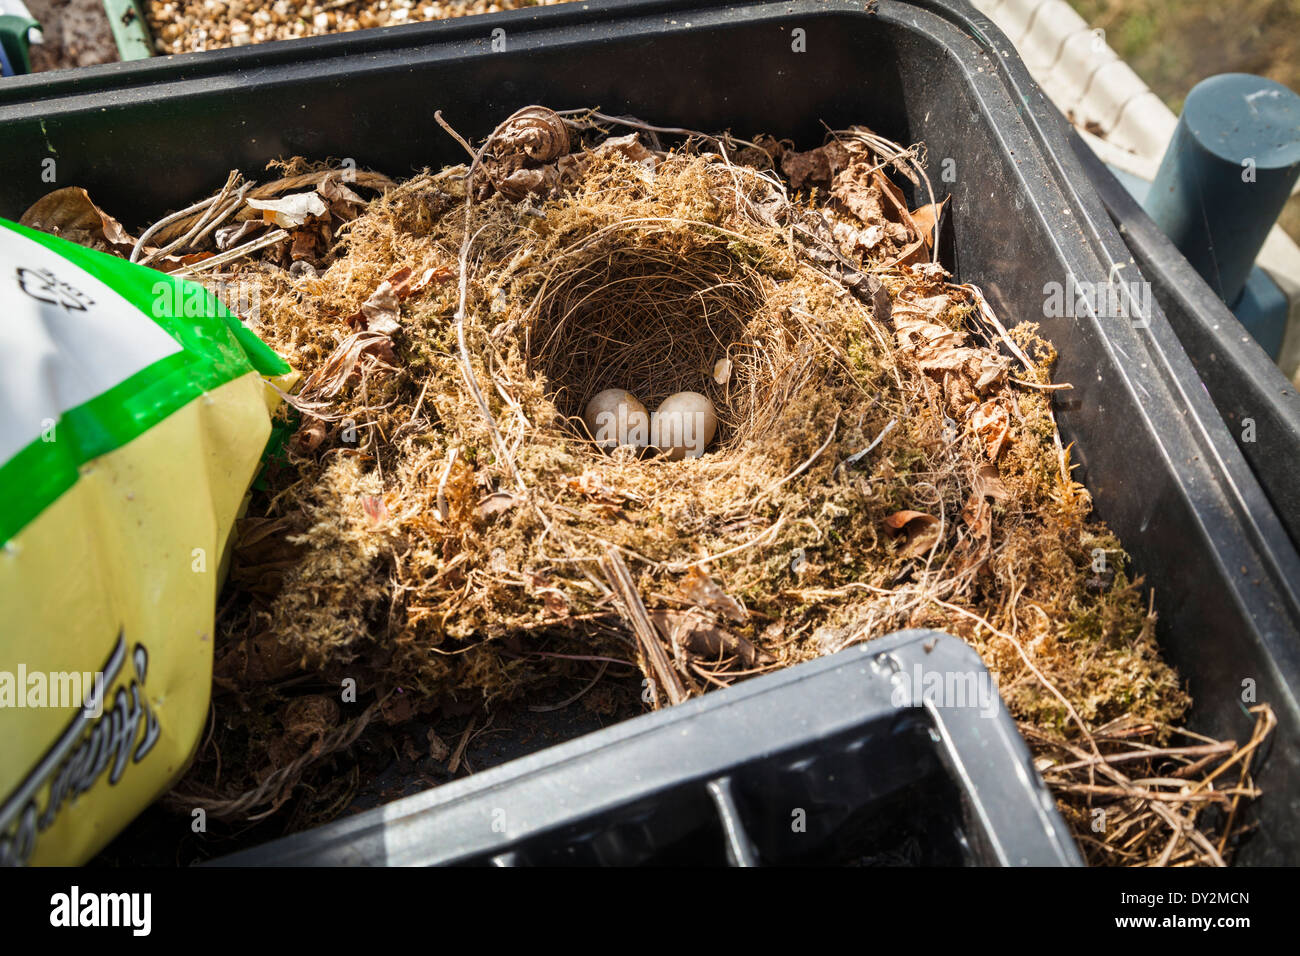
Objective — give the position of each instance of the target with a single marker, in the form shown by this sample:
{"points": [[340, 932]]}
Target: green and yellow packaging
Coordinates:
{"points": [[131, 424]]}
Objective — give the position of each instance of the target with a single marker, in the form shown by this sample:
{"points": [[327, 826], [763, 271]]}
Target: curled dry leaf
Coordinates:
{"points": [[309, 435], [405, 285], [697, 632], [978, 514], [381, 312], [343, 363], [629, 147], [535, 131], [988, 484], [292, 211], [497, 503], [817, 166], [343, 202], [919, 531], [992, 424], [70, 214], [699, 589], [521, 159]]}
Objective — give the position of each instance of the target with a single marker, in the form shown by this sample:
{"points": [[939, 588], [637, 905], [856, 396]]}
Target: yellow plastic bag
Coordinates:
{"points": [[131, 424]]}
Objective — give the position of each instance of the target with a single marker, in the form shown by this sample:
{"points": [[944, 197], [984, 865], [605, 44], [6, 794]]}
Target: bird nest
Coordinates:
{"points": [[441, 530]]}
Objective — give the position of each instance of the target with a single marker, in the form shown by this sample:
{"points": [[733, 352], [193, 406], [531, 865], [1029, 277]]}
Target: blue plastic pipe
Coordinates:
{"points": [[1229, 168]]}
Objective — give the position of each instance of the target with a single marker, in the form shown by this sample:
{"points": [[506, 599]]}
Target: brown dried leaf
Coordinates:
{"points": [[70, 214], [591, 485], [817, 166], [309, 435], [398, 709], [382, 312], [495, 504], [343, 202], [256, 659], [988, 484], [992, 423], [630, 147], [328, 380], [536, 132], [978, 515], [700, 589], [697, 632], [927, 218], [306, 243], [920, 531]]}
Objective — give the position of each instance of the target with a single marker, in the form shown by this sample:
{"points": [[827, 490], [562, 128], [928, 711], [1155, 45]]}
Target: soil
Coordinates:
{"points": [[76, 34]]}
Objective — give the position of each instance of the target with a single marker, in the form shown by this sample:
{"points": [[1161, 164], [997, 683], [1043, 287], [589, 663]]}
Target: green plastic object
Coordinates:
{"points": [[130, 29], [13, 37]]}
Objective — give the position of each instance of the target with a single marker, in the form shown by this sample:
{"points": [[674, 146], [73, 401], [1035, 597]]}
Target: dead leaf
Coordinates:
{"points": [[398, 709], [381, 312], [309, 435], [343, 202], [496, 504], [816, 166], [978, 515], [630, 147], [290, 212], [438, 748], [536, 132], [697, 632], [305, 246], [329, 379], [257, 659], [591, 485], [70, 214], [988, 484], [992, 424], [927, 220], [920, 531], [722, 371], [991, 369], [699, 589]]}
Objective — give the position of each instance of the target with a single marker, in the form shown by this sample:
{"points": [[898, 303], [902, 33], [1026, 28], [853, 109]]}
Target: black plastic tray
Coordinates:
{"points": [[1243, 381], [836, 761], [1163, 469]]}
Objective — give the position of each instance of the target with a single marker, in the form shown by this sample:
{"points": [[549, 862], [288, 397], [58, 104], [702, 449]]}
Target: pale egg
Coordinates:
{"points": [[615, 417], [683, 426]]}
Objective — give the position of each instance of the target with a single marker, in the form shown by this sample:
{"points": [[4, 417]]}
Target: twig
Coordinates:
{"points": [[634, 613]]}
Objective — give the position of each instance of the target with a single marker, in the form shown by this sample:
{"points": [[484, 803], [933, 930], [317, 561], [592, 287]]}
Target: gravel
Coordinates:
{"points": [[184, 26]]}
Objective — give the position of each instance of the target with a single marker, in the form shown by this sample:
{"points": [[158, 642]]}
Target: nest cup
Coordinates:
{"points": [[653, 311]]}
